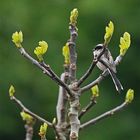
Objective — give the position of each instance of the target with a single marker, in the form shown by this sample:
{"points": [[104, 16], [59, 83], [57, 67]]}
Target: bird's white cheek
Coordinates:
{"points": [[96, 53]]}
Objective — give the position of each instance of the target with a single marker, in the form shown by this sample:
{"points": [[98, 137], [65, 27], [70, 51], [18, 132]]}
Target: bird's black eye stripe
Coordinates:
{"points": [[98, 47]]}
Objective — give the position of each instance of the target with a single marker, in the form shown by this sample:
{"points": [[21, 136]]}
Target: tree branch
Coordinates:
{"points": [[46, 70], [88, 107], [61, 109], [90, 69], [62, 102], [73, 54], [73, 117], [95, 82], [118, 60], [74, 101], [104, 115], [29, 112]]}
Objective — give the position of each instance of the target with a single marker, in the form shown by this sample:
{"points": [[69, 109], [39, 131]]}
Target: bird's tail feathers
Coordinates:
{"points": [[116, 81]]}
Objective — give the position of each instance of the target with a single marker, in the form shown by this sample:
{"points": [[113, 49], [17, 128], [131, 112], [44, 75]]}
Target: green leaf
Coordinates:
{"points": [[95, 91], [109, 32], [74, 16], [129, 96], [125, 42]]}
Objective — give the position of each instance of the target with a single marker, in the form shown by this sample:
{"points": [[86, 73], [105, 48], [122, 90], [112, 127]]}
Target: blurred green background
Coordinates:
{"points": [[48, 20]]}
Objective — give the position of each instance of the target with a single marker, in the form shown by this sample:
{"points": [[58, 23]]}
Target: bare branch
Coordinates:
{"points": [[73, 117], [90, 69], [74, 101], [95, 82], [35, 62], [104, 115], [62, 102], [61, 110], [57, 136], [88, 107], [30, 112], [73, 54], [118, 60], [46, 70]]}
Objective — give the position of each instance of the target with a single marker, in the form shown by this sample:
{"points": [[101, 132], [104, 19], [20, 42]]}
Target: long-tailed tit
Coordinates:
{"points": [[106, 62]]}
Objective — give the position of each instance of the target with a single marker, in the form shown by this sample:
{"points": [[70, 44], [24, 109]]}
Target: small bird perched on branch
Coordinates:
{"points": [[106, 62]]}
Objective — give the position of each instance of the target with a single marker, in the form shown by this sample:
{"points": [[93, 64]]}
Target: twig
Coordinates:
{"points": [[35, 62], [55, 131], [90, 69], [104, 115], [87, 108], [95, 82], [118, 59], [46, 70], [30, 112]]}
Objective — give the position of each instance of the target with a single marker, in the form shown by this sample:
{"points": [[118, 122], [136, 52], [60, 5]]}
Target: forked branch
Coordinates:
{"points": [[46, 70], [87, 107]]}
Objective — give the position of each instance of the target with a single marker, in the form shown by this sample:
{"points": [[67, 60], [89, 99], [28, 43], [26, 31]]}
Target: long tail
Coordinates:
{"points": [[116, 81]]}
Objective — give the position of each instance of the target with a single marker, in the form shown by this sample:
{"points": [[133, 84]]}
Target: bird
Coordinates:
{"points": [[106, 62]]}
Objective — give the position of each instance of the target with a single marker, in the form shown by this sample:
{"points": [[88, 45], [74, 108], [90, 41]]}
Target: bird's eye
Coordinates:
{"points": [[95, 55]]}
